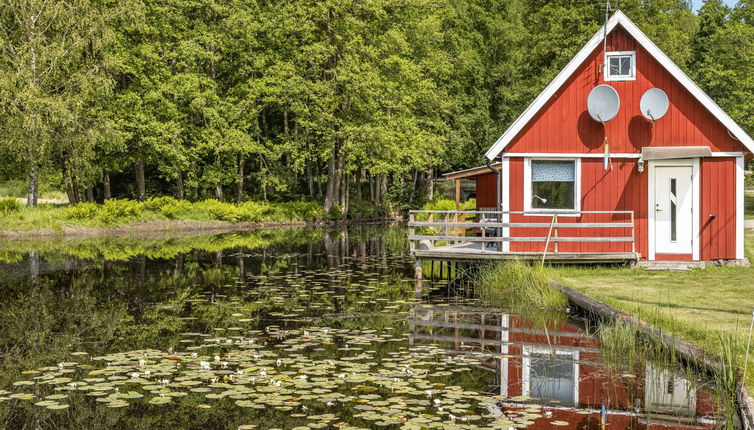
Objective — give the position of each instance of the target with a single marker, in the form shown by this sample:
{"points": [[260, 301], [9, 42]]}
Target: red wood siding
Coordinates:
{"points": [[624, 188], [485, 191], [621, 189], [718, 189], [563, 124]]}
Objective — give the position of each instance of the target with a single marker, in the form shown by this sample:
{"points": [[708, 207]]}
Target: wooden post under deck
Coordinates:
{"points": [[458, 194], [418, 269]]}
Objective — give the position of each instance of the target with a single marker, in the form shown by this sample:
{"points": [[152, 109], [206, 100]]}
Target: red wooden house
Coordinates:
{"points": [[669, 189]]}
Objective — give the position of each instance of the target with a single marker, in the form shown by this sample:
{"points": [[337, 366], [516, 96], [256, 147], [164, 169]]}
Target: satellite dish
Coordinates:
{"points": [[654, 104], [603, 103]]}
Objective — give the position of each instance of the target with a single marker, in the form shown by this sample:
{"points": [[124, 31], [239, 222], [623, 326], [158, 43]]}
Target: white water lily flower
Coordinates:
{"points": [[342, 376], [263, 372], [73, 384], [204, 365], [548, 414], [142, 363], [194, 355], [429, 393], [303, 377], [61, 365], [453, 418], [135, 375], [279, 362], [217, 358], [225, 364]]}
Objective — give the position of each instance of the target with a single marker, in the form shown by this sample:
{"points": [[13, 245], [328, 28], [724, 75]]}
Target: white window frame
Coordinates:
{"points": [[576, 188], [631, 77]]}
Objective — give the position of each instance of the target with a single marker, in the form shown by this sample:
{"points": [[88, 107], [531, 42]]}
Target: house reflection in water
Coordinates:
{"points": [[557, 365]]}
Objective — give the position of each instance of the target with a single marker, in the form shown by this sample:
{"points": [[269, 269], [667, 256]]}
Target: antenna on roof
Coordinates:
{"points": [[604, 40]]}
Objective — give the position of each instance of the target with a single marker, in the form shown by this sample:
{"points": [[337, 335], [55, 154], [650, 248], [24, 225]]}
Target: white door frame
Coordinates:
{"points": [[695, 202]]}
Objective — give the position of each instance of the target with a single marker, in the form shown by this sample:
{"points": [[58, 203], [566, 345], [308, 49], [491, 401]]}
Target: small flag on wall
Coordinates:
{"points": [[608, 162]]}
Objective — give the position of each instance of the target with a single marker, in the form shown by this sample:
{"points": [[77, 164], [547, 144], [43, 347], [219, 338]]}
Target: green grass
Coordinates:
{"points": [[698, 306], [114, 213]]}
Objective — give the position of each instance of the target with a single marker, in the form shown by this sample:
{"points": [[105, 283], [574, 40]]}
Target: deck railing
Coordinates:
{"points": [[495, 227]]}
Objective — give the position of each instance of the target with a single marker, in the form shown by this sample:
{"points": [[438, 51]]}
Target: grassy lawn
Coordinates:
{"points": [[697, 306]]}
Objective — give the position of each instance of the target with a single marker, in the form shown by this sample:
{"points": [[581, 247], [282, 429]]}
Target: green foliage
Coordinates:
{"points": [[336, 213], [82, 211], [8, 206], [156, 204], [507, 282], [118, 209], [226, 211], [364, 209]]}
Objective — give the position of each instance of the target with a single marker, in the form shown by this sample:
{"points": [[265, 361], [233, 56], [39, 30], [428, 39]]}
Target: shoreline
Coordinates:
{"points": [[687, 352], [174, 226]]}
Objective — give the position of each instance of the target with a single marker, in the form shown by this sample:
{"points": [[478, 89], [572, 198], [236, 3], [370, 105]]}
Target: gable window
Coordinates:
{"points": [[551, 185], [621, 66]]}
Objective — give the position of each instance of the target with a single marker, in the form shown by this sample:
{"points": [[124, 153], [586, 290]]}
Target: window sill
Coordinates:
{"points": [[565, 213], [619, 78]]}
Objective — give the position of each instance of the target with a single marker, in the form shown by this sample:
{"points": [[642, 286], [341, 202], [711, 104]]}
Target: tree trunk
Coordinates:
{"points": [[179, 185], [309, 177], [377, 189], [90, 194], [372, 189], [106, 186], [330, 193], [141, 187], [218, 185], [285, 132], [383, 189], [239, 185], [69, 187], [75, 187], [33, 198], [194, 189], [359, 179], [344, 195], [431, 183]]}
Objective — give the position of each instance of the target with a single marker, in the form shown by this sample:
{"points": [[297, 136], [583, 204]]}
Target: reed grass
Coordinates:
{"points": [[514, 283]]}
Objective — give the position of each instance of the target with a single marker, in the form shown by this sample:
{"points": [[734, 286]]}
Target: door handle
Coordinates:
{"points": [[657, 208]]}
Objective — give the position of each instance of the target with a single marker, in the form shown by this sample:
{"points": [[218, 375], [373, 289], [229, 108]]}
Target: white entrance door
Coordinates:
{"points": [[673, 210]]}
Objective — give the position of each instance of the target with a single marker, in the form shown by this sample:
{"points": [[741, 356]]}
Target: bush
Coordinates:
{"points": [[297, 211], [118, 209], [364, 209], [9, 205], [82, 211], [226, 211], [155, 204], [336, 213]]}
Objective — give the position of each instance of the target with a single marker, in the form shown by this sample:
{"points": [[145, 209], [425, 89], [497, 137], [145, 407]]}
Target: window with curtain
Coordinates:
{"points": [[553, 184]]}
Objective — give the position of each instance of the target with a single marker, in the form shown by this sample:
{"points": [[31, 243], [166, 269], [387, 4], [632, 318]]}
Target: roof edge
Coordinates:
{"points": [[618, 18]]}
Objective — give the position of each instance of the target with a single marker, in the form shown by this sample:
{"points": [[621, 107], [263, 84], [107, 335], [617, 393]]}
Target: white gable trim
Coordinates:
{"points": [[618, 18]]}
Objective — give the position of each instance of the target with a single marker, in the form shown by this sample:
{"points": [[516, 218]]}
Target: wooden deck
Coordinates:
{"points": [[484, 235], [476, 251]]}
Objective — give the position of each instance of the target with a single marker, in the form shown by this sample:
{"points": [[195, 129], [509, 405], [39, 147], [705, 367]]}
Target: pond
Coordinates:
{"points": [[300, 328]]}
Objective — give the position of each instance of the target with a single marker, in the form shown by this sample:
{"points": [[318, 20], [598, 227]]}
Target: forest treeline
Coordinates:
{"points": [[327, 100]]}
